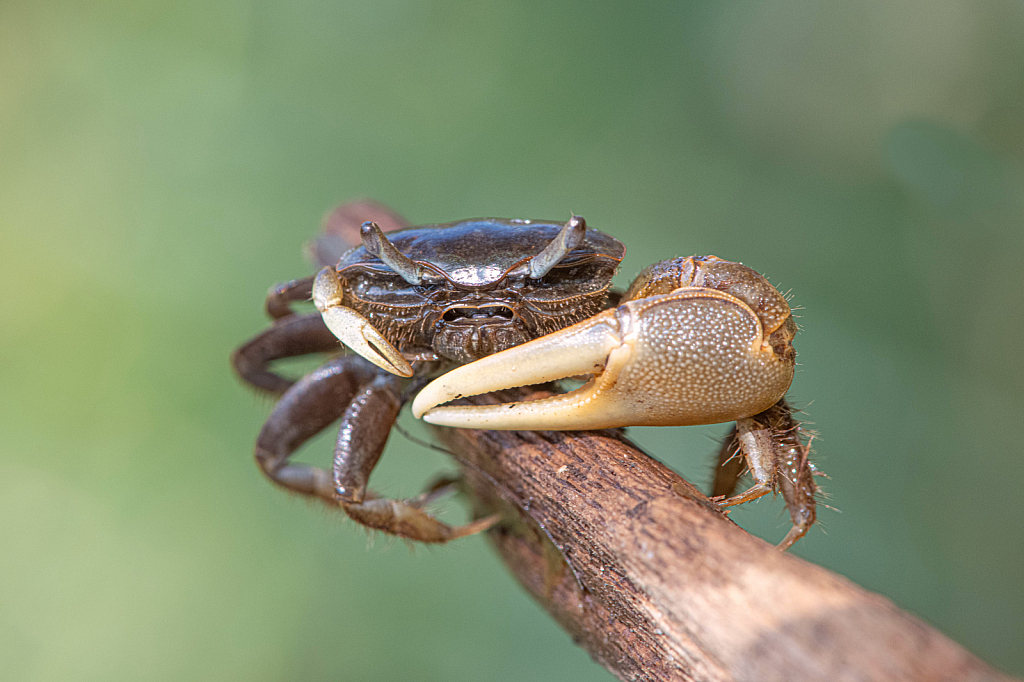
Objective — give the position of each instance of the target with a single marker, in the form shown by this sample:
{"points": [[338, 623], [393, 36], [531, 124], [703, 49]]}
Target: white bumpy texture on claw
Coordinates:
{"points": [[694, 356]]}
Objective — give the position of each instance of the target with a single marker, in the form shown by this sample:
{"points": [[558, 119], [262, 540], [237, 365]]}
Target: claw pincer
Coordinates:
{"points": [[694, 356]]}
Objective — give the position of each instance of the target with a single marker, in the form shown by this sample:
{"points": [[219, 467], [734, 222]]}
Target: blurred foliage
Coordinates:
{"points": [[163, 162]]}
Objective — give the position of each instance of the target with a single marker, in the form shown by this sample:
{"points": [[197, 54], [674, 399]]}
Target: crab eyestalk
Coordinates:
{"points": [[378, 244], [354, 330], [568, 239]]}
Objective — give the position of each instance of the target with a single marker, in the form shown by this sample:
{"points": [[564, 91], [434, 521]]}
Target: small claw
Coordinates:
{"points": [[357, 333], [695, 356], [354, 330]]}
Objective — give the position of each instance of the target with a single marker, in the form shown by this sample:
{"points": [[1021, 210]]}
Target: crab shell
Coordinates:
{"points": [[475, 295], [480, 252]]}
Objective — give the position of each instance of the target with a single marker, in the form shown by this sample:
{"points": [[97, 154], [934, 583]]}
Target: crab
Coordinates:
{"points": [[440, 312]]}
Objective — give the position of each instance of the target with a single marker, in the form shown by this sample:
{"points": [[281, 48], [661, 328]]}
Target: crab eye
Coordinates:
{"points": [[378, 244], [570, 236]]}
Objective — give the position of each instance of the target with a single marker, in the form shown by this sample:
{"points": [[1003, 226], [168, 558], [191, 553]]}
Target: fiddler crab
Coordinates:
{"points": [[439, 312]]}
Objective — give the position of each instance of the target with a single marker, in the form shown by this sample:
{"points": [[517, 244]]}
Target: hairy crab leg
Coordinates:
{"points": [[794, 472], [354, 330], [288, 338], [772, 446], [695, 356]]}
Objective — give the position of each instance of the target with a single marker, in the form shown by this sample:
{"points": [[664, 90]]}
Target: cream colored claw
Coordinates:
{"points": [[352, 329], [695, 356]]}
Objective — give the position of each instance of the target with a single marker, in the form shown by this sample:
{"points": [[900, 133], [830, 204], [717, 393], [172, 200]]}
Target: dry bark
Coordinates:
{"points": [[658, 584]]}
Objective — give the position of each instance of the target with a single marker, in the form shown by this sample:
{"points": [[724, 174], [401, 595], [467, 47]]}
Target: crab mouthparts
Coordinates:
{"points": [[491, 313]]}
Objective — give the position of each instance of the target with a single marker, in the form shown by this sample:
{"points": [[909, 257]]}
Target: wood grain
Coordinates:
{"points": [[657, 584]]}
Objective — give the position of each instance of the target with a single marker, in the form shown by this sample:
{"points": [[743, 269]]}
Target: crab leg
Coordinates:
{"points": [[772, 446], [289, 337], [281, 296], [304, 411], [693, 356]]}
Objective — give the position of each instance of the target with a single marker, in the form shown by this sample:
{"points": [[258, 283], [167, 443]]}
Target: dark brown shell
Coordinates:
{"points": [[481, 251]]}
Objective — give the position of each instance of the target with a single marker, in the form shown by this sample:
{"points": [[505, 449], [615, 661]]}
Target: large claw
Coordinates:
{"points": [[354, 330], [694, 356]]}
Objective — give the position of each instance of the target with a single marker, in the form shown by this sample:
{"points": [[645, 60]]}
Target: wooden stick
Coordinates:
{"points": [[657, 584]]}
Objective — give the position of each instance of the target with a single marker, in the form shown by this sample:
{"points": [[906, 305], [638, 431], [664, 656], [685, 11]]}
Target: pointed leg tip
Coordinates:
{"points": [[478, 526], [794, 534]]}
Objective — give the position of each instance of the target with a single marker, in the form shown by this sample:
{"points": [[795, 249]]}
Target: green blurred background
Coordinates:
{"points": [[162, 163]]}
